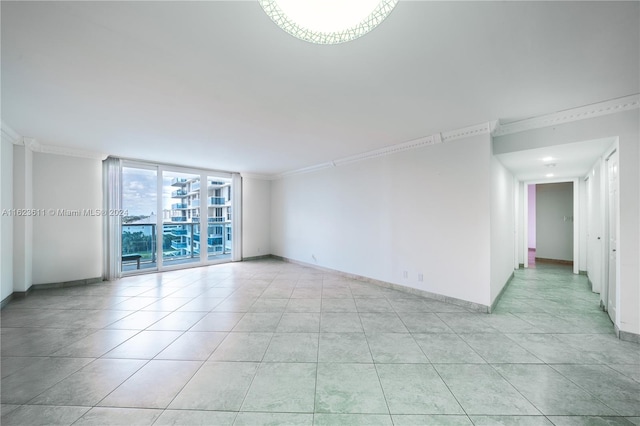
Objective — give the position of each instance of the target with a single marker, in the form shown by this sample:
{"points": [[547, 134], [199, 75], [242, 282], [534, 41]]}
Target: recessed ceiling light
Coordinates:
{"points": [[327, 21], [547, 159], [549, 174]]}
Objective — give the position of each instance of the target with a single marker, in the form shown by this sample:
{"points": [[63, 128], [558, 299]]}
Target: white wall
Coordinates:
{"points": [[22, 225], [424, 211], [554, 230], [624, 125], [502, 226], [582, 225], [256, 217], [531, 232], [66, 248], [6, 228]]}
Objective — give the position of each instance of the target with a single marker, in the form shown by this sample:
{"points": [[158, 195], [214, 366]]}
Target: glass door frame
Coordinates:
{"points": [[204, 175]]}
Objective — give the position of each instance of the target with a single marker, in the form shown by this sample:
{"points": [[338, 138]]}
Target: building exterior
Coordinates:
{"points": [[184, 220]]}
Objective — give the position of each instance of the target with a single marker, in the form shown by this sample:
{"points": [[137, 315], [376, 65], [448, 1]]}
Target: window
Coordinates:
{"points": [[168, 209]]}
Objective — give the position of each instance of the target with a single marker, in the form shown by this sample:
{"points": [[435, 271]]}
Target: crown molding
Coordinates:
{"points": [[32, 144], [69, 152], [257, 176], [393, 149], [567, 116], [303, 170], [10, 135], [434, 139], [466, 132]]}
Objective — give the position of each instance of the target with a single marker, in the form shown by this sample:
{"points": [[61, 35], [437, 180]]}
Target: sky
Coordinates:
{"points": [[139, 194]]}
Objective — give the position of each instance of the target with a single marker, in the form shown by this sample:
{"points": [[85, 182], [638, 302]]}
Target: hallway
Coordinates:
{"points": [[269, 342]]}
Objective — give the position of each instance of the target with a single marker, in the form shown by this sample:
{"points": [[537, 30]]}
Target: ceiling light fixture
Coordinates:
{"points": [[549, 174], [545, 159], [328, 21]]}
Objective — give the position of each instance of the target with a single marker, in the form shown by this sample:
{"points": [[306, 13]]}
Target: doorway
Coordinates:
{"points": [[175, 218], [551, 223]]}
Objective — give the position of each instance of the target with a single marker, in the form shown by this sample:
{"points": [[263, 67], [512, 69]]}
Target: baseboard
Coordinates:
{"points": [[554, 261], [261, 257], [15, 295], [627, 336], [65, 284], [6, 300], [499, 296], [477, 307], [583, 273]]}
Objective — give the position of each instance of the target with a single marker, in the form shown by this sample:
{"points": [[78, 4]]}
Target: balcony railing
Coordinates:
{"points": [[214, 241], [216, 201], [195, 203], [138, 246], [216, 219], [195, 186], [180, 244], [179, 193], [179, 181], [179, 206], [216, 183], [178, 218]]}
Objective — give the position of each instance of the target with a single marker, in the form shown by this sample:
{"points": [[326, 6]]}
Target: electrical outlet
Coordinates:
{"points": [[405, 274], [420, 278]]}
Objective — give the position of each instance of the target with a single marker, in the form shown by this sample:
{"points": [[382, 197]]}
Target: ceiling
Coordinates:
{"points": [[565, 161], [215, 84]]}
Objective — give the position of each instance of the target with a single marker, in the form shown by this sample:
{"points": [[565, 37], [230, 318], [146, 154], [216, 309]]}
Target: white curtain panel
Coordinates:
{"points": [[112, 190]]}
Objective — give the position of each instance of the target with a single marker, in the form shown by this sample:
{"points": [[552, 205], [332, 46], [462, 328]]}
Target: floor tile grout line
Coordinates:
{"points": [[315, 390], [202, 364], [451, 392], [585, 389], [570, 317], [384, 395], [516, 389]]}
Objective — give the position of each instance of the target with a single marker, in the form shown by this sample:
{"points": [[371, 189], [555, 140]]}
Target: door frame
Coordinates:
{"points": [[203, 260], [576, 218], [604, 294]]}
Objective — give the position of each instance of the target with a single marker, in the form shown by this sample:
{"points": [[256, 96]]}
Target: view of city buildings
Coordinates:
{"points": [[184, 200]]}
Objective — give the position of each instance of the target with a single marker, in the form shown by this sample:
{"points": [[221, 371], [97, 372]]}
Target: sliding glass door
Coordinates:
{"points": [[140, 202], [180, 218], [175, 217], [218, 218]]}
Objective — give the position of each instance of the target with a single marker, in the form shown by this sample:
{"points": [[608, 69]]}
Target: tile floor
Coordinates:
{"points": [[268, 342]]}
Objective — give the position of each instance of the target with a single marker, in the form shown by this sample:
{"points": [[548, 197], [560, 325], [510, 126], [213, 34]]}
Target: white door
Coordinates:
{"points": [[612, 179]]}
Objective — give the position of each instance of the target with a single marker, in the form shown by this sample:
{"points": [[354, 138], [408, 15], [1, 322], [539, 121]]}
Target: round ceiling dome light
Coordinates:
{"points": [[328, 21]]}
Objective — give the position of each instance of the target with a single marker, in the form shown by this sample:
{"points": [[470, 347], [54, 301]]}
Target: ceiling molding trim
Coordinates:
{"points": [[465, 132], [31, 144], [69, 152], [435, 139], [10, 135], [567, 116], [393, 149], [309, 169], [257, 176]]}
